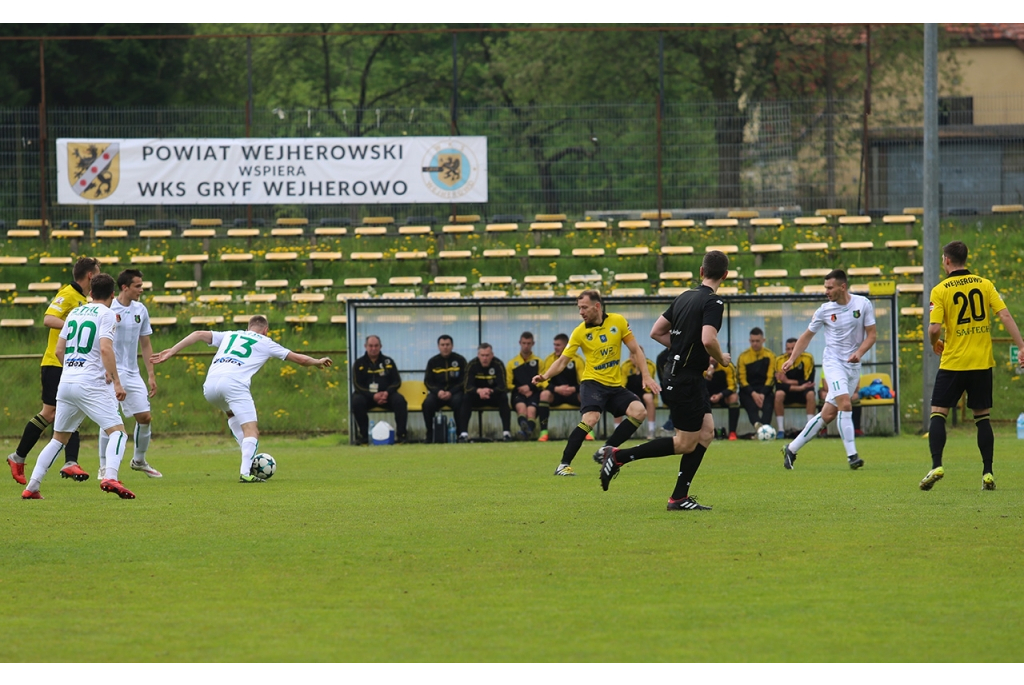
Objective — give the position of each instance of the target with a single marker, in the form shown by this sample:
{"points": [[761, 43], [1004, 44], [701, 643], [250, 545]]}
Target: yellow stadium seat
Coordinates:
{"points": [[728, 290], [206, 223], [899, 219], [16, 323], [721, 223], [861, 289], [67, 233], [540, 279], [452, 228], [813, 290], [547, 252], [1007, 209], [864, 271], [464, 219], [301, 318], [339, 319], [228, 285], [33, 223], [632, 224], [444, 295], [908, 270], [857, 245], [588, 252], [454, 254], [325, 256], [414, 230], [450, 280], [537, 293], [281, 256], [405, 280], [630, 278], [628, 292], [54, 261], [678, 223], [214, 299], [371, 230], [199, 233], [147, 259], [743, 214], [275, 283], [586, 278], [835, 211], [676, 249], [811, 247], [490, 294], [768, 221], [30, 299], [163, 321], [108, 260], [810, 221], [181, 285], [289, 222], [632, 251], [243, 233], [206, 320], [287, 232], [915, 211], [544, 218], [767, 248], [44, 287], [676, 275], [413, 254], [236, 257], [814, 273], [495, 280], [910, 288], [546, 226], [902, 244], [771, 273], [192, 258], [774, 290], [111, 233], [401, 295], [656, 215], [156, 233], [330, 230], [500, 253], [368, 282], [308, 298], [379, 220], [366, 256], [671, 292], [8, 287], [501, 228], [590, 225], [250, 298], [727, 249], [168, 299], [912, 311], [854, 220], [732, 274], [317, 283]]}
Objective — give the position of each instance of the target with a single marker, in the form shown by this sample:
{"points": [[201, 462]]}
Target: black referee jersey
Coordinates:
{"points": [[688, 314]]}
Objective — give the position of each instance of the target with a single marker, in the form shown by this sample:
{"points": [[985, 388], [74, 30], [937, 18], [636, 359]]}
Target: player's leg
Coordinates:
{"points": [[621, 401], [979, 401], [544, 413], [500, 400], [521, 407], [431, 405], [749, 406], [780, 411], [69, 414], [214, 394], [49, 378], [812, 405], [44, 461], [400, 406], [470, 401], [532, 404], [732, 402], [652, 424], [241, 404], [591, 408], [136, 404], [455, 402]]}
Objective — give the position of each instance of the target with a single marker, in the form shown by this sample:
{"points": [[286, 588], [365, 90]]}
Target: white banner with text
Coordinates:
{"points": [[271, 171]]}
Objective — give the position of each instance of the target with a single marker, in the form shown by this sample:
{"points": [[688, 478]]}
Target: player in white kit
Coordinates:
{"points": [[133, 331], [849, 323], [240, 354], [89, 387]]}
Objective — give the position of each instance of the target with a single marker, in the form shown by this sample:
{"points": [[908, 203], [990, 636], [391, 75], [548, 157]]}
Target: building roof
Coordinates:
{"points": [[989, 33]]}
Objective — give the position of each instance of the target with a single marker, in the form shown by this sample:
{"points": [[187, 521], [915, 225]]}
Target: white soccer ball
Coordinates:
{"points": [[264, 466], [766, 432]]}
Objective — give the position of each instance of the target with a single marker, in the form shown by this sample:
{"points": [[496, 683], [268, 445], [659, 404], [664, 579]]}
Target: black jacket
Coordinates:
{"points": [[445, 374], [384, 373], [492, 377]]}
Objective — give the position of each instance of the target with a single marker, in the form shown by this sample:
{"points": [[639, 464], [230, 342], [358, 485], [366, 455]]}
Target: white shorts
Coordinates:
{"points": [[231, 396], [842, 379], [76, 401], [137, 399]]}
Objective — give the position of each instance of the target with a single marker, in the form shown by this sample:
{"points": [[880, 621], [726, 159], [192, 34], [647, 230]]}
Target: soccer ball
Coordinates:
{"points": [[766, 432], [264, 466]]}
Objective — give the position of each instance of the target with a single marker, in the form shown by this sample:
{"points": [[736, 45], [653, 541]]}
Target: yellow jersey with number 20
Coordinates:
{"points": [[961, 303]]}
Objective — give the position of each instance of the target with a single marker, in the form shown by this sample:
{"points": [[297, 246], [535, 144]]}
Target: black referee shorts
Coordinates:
{"points": [[688, 401], [596, 396], [50, 376], [950, 386]]}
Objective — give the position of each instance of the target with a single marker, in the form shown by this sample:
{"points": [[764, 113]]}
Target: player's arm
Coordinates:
{"points": [[396, 379], [556, 368], [305, 360], [146, 345], [636, 355], [55, 322], [190, 339], [801, 344], [709, 338], [1011, 326], [510, 378], [62, 345], [661, 331], [110, 366], [870, 336]]}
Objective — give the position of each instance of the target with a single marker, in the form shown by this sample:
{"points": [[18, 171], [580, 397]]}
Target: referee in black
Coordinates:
{"points": [[689, 328]]}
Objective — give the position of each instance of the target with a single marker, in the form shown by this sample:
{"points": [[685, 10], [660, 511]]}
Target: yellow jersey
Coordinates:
{"points": [[601, 345], [66, 299], [755, 368], [961, 303], [629, 369]]}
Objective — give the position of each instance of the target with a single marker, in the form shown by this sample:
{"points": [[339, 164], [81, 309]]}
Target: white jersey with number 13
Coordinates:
{"points": [[240, 354]]}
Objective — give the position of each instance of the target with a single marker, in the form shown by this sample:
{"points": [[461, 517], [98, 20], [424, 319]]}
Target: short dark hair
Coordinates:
{"points": [[126, 277], [444, 336], [594, 295], [715, 265], [484, 346], [84, 267], [563, 337], [258, 320], [838, 275], [956, 252], [102, 286], [371, 335], [790, 340], [756, 331], [527, 335]]}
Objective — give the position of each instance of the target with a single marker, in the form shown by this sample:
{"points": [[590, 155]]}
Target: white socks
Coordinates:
{"points": [[846, 432], [104, 439], [814, 424], [651, 427], [248, 452], [780, 421], [43, 463], [236, 429], [143, 431], [116, 444]]}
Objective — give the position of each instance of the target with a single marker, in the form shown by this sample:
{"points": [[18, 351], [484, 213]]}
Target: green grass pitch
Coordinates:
{"points": [[477, 553]]}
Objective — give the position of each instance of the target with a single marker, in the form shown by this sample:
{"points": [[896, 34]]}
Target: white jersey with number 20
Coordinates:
{"points": [[240, 354], [84, 328]]}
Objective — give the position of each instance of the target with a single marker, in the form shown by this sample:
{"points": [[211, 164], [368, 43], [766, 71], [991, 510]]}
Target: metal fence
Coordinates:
{"points": [[593, 159]]}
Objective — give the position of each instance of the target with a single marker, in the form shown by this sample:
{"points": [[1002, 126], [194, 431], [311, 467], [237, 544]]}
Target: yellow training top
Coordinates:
{"points": [[602, 348], [67, 298], [961, 304]]}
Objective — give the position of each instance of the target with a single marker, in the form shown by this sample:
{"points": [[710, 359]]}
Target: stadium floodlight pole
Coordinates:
{"points": [[42, 140], [929, 360], [248, 113]]}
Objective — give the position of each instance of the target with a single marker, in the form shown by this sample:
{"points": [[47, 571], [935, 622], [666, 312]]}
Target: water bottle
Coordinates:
{"points": [[1020, 426], [451, 432], [369, 437]]}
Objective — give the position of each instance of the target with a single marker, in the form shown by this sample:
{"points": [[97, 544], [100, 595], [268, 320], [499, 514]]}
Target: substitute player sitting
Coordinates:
{"points": [[849, 323], [633, 381], [519, 373], [721, 385], [133, 333], [239, 355], [795, 386], [89, 387], [561, 389]]}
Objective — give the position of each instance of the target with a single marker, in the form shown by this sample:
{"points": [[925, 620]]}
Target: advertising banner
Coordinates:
{"points": [[271, 171]]}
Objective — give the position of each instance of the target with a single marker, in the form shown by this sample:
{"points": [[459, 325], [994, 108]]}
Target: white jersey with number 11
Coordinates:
{"points": [[240, 354]]}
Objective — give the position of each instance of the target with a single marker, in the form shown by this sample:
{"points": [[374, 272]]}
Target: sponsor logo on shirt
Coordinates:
{"points": [[604, 338], [856, 314], [138, 318], [833, 317]]}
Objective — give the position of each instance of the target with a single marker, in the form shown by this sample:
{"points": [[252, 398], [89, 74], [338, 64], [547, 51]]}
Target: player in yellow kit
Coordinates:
{"points": [[67, 298], [601, 337], [960, 304]]}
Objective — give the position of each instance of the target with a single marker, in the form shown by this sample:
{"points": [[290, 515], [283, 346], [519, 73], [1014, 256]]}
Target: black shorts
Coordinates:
{"points": [[950, 385], [531, 401], [558, 400], [796, 396], [596, 396], [688, 401], [727, 397], [50, 376]]}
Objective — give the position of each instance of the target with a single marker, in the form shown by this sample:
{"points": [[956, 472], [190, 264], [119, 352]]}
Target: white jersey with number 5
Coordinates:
{"points": [[240, 354], [84, 328], [844, 326]]}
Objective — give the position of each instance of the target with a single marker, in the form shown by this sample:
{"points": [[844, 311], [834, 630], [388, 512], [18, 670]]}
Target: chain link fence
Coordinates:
{"points": [[790, 157]]}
